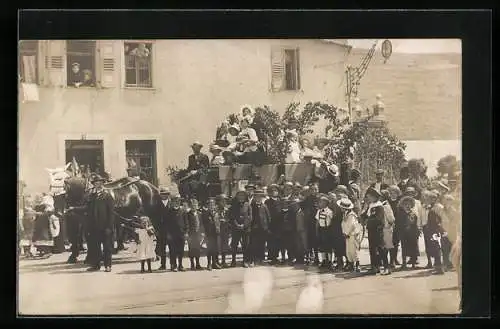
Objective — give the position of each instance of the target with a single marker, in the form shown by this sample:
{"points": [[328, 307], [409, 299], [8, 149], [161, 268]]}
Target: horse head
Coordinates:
{"points": [[57, 177]]}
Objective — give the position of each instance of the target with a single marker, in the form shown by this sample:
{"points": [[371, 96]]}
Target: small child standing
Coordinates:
{"points": [[324, 218], [145, 245], [352, 233]]}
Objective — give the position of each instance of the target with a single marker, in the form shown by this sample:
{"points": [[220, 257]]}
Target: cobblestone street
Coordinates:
{"points": [[51, 286]]}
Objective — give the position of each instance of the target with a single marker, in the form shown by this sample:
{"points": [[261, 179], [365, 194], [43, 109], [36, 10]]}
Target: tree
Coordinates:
{"points": [[448, 166], [362, 144]]}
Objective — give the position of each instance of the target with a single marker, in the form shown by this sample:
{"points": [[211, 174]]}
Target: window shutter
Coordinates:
{"points": [[55, 62], [277, 69], [107, 63], [297, 56]]}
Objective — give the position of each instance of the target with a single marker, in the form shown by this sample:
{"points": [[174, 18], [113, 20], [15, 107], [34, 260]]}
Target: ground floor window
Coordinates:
{"points": [[89, 154], [142, 154]]}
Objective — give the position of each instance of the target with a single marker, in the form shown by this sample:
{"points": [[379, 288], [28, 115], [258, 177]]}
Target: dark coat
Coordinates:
{"points": [[174, 224], [310, 208], [198, 162], [410, 183], [261, 217], [194, 229], [101, 211], [383, 186], [276, 216], [375, 225], [212, 227], [336, 229], [434, 222], [241, 214]]}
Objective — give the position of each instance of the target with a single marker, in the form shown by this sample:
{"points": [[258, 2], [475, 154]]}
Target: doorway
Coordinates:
{"points": [[143, 154], [87, 153]]}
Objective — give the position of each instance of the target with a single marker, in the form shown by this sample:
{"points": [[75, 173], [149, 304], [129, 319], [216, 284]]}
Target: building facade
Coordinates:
{"points": [[107, 102]]}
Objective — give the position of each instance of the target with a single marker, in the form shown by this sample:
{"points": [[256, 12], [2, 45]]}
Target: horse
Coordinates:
{"points": [[131, 197]]}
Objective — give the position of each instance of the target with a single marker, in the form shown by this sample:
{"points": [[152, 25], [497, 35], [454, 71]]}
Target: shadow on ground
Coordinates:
{"points": [[415, 274]]}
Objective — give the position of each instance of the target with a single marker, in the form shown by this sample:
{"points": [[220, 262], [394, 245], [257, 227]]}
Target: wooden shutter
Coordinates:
{"points": [[297, 63], [277, 69], [107, 63], [55, 63]]}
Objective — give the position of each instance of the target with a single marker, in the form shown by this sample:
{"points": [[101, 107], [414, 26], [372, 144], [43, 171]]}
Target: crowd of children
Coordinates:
{"points": [[301, 227]]}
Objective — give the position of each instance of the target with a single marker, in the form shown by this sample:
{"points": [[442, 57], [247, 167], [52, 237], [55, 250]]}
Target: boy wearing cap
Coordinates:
{"points": [[275, 225], [324, 217], [241, 220], [374, 216], [225, 229], [211, 224], [311, 206], [194, 234], [259, 228]]}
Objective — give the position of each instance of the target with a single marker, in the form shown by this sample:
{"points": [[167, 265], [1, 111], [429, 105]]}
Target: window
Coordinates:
{"points": [[285, 69], [142, 154], [81, 63], [138, 64], [292, 69], [27, 64]]}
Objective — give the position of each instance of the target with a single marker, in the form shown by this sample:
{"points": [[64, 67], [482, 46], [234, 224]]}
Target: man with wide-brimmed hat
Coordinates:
{"points": [[197, 160], [241, 218], [101, 213]]}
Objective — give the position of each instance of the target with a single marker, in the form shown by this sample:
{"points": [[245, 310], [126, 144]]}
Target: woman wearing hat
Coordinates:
{"points": [[374, 216], [394, 195], [352, 233], [217, 158], [241, 218]]}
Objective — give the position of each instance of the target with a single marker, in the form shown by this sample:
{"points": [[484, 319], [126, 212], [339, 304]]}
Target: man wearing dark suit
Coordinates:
{"points": [[174, 228], [259, 227], [197, 160], [379, 184], [102, 224], [162, 236], [241, 220], [406, 182]]}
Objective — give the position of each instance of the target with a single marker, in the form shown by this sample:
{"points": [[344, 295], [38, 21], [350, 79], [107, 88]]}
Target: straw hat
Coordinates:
{"points": [[345, 204], [197, 144]]}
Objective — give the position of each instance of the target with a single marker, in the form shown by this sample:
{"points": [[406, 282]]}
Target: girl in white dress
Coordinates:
{"points": [[145, 245]]}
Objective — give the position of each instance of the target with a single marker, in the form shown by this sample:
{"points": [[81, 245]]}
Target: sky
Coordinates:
{"points": [[426, 46]]}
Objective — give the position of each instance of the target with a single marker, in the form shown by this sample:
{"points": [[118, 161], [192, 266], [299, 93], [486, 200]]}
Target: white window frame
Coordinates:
{"points": [[151, 71], [97, 68]]}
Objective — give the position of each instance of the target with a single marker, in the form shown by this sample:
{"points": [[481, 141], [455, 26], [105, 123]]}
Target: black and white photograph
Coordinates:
{"points": [[239, 176]]}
